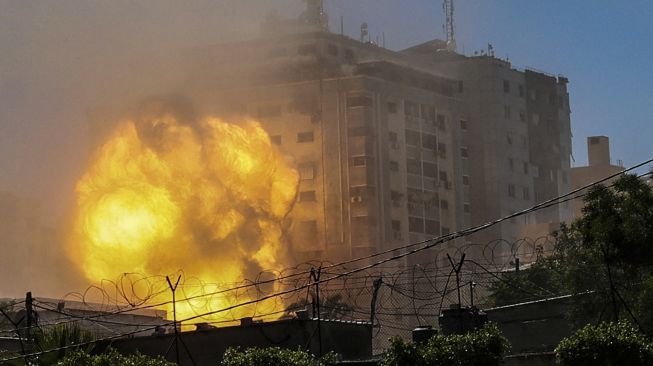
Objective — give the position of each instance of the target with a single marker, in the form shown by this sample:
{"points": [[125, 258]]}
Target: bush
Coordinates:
{"points": [[273, 356], [605, 344], [484, 347], [111, 358]]}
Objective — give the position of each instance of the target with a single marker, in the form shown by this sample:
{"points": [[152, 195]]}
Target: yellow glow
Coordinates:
{"points": [[161, 196]]}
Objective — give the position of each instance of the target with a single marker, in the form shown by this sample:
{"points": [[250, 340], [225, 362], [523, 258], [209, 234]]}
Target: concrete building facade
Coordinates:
{"points": [[599, 167]]}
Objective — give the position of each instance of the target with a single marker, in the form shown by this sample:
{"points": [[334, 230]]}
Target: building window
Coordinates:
{"points": [[307, 49], [431, 227], [362, 161], [464, 152], [442, 122], [307, 196], [429, 141], [506, 111], [332, 49], [443, 176], [525, 167], [394, 166], [511, 164], [412, 138], [396, 198], [429, 170], [463, 125], [306, 171], [521, 90], [506, 86], [509, 139], [466, 208], [535, 119], [360, 194], [275, 139], [357, 131], [444, 204], [442, 150], [466, 180], [349, 55], [511, 190], [461, 86], [527, 193], [522, 116], [446, 230], [392, 137], [415, 224], [269, 111], [305, 136], [533, 94], [411, 109], [359, 101], [564, 177], [413, 166], [392, 107]]}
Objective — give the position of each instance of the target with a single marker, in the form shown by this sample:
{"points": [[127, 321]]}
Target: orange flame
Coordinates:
{"points": [[208, 198]]}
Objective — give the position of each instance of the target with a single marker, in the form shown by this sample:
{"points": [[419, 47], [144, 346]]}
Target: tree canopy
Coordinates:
{"points": [[605, 258]]}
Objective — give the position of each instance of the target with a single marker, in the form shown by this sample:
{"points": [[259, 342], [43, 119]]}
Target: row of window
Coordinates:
{"points": [[306, 136], [525, 192]]}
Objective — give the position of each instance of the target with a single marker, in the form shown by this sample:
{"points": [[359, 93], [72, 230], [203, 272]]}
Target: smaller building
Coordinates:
{"points": [[599, 167]]}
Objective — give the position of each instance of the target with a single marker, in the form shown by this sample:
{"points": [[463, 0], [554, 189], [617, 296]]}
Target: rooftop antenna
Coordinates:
{"points": [[315, 14], [447, 7]]}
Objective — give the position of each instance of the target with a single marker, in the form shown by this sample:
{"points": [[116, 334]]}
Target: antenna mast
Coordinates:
{"points": [[447, 7]]}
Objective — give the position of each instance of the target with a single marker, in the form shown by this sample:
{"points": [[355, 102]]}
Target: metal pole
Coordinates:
{"points": [[315, 275], [173, 288], [28, 314]]}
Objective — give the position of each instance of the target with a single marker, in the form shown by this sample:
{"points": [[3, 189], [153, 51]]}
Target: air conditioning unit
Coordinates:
{"points": [[356, 199]]}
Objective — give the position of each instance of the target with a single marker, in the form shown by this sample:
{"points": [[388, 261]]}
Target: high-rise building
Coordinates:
{"points": [[396, 147], [518, 138]]}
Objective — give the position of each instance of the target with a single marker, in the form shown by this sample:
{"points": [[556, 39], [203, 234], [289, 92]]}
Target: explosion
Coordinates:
{"points": [[204, 196]]}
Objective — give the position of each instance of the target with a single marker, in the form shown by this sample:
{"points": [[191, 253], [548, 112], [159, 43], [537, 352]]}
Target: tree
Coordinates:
{"points": [[605, 344], [111, 358], [605, 258], [273, 356]]}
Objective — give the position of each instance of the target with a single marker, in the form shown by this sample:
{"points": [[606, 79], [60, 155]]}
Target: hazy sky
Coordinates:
{"points": [[61, 57]]}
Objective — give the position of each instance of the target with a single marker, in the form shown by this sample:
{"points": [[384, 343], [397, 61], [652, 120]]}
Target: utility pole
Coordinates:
{"points": [[377, 285], [28, 315]]}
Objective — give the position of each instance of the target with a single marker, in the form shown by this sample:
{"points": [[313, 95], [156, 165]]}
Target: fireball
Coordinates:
{"points": [[202, 196]]}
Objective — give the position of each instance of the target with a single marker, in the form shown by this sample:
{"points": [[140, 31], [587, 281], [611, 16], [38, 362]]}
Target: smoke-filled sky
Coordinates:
{"points": [[61, 60]]}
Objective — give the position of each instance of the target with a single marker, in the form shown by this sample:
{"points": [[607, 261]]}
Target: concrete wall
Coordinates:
{"points": [[351, 340], [536, 326]]}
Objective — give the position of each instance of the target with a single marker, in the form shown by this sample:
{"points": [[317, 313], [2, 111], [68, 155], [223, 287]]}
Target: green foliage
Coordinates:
{"points": [[605, 344], [273, 356], [606, 257], [542, 279], [484, 347], [111, 358], [70, 336]]}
